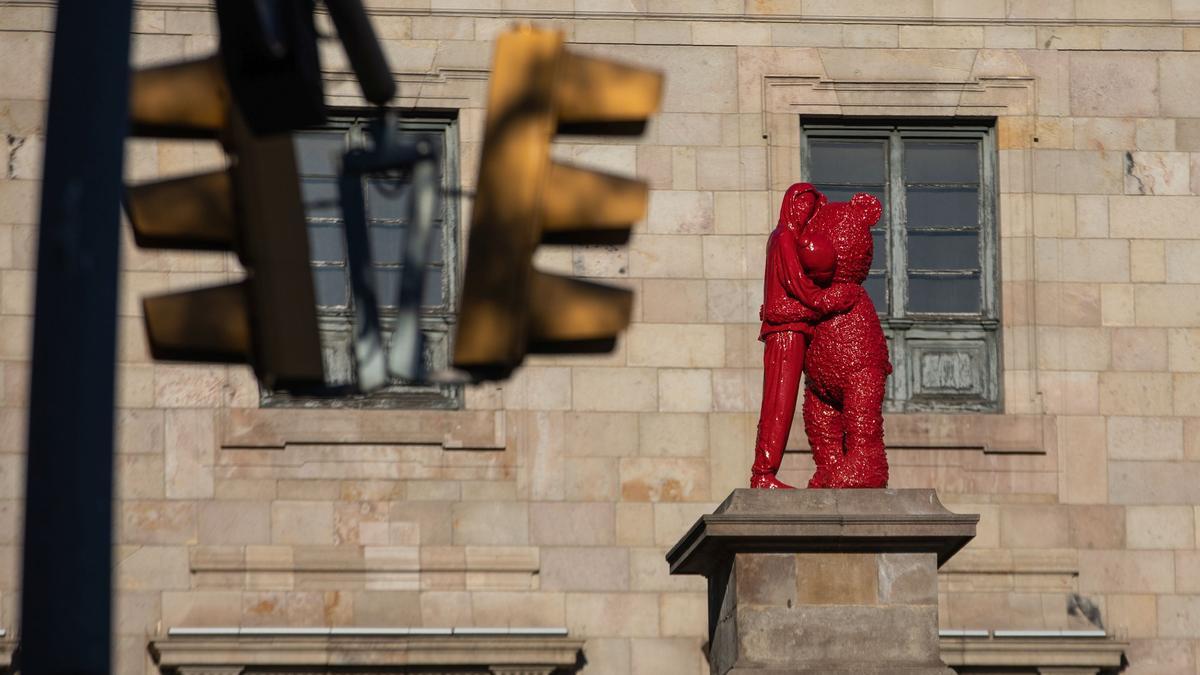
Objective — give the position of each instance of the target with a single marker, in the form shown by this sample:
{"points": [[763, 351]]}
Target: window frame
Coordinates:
{"points": [[915, 334], [336, 323]]}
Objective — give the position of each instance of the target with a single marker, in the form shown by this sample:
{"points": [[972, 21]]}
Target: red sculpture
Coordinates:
{"points": [[817, 259]]}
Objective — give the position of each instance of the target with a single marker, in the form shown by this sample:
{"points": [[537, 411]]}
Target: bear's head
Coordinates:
{"points": [[847, 225]]}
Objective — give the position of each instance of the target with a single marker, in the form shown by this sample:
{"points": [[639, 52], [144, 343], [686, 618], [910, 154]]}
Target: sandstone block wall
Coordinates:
{"points": [[550, 500]]}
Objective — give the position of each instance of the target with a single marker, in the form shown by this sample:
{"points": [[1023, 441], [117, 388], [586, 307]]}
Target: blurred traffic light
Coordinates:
{"points": [[523, 198], [265, 79]]}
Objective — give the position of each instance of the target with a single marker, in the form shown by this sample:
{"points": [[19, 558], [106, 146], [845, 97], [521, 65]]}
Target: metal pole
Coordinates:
{"points": [[66, 603]]}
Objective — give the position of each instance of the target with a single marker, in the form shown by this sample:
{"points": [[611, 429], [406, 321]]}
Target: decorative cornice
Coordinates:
{"points": [[267, 428], [539, 654]]}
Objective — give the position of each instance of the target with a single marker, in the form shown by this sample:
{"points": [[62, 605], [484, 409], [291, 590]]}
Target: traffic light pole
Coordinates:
{"points": [[66, 602]]}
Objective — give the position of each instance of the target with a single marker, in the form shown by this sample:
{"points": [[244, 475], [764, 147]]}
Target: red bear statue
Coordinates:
{"points": [[846, 364]]}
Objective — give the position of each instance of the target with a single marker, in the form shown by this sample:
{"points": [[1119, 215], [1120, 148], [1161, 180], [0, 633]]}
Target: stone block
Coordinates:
{"points": [[1157, 173], [1160, 527], [1183, 350], [681, 211], [584, 569], [296, 522], [139, 476], [1084, 476], [904, 579], [806, 35], [668, 655], [725, 257], [571, 524], [1105, 133], [1113, 85], [1178, 616], [870, 36], [670, 256], [685, 390], [1147, 261], [664, 479], [834, 579], [1134, 615], [201, 608], [152, 568], [1180, 260], [683, 614], [615, 389], [190, 440], [634, 524], [1072, 393], [898, 636], [519, 609], [1167, 305], [490, 523], [1067, 260], [234, 522], [1179, 76], [387, 608], [733, 300], [673, 434], [674, 300], [1033, 526], [1158, 217], [1129, 571], [157, 522], [672, 345], [1096, 527], [1135, 393], [601, 434], [612, 614], [1145, 438], [683, 168], [1154, 482], [591, 479], [941, 37], [1073, 348]]}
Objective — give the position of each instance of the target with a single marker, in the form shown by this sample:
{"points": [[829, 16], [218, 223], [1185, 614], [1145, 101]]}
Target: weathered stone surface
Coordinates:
{"points": [[798, 582]]}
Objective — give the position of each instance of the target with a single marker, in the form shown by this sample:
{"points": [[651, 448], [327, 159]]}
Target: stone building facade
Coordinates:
{"points": [[549, 500]]}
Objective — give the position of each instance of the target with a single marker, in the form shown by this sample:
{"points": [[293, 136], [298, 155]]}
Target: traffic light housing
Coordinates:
{"points": [[523, 198], [253, 208]]}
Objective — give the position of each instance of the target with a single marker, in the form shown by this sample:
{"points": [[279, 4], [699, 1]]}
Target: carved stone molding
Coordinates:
{"points": [[321, 654], [817, 95], [1035, 656], [276, 428]]}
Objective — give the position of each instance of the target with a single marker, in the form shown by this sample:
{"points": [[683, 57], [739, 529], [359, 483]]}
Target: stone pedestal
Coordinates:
{"points": [[823, 581]]}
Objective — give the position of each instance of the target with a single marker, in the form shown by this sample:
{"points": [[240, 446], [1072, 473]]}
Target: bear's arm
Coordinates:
{"points": [[836, 299]]}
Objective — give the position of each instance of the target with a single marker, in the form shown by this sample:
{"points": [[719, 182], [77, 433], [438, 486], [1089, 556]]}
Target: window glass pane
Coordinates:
{"points": [[326, 243], [941, 161], [943, 251], [931, 294], [942, 207], [437, 244], [876, 285], [880, 260], [319, 153], [846, 161], [387, 285], [387, 200], [329, 283], [433, 293], [320, 198], [387, 243]]}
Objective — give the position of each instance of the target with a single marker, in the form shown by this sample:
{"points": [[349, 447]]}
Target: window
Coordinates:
{"points": [[318, 154], [933, 279]]}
